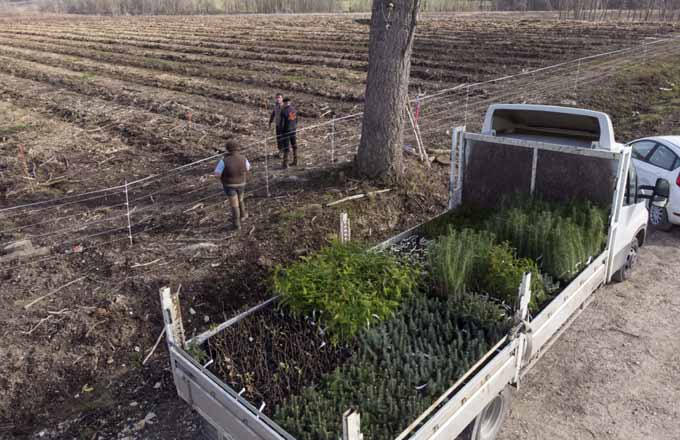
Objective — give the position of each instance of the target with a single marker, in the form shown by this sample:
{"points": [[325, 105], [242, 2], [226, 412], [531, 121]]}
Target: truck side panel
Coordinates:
{"points": [[231, 417], [455, 415], [546, 325]]}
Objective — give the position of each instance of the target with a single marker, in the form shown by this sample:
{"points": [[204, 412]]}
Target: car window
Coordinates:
{"points": [[663, 157], [641, 149]]}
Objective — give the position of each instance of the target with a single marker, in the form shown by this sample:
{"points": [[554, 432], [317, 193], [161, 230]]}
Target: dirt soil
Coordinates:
{"points": [[615, 373]]}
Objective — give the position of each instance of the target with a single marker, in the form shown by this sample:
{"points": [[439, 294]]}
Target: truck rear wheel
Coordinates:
{"points": [[488, 423]]}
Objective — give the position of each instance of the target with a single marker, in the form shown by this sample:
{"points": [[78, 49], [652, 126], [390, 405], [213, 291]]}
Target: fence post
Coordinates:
{"points": [[333, 139], [467, 100], [455, 177], [127, 206], [172, 316], [345, 233], [578, 74], [266, 167]]}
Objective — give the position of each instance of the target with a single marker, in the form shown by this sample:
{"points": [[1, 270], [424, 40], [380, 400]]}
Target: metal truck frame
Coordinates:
{"points": [[476, 404]]}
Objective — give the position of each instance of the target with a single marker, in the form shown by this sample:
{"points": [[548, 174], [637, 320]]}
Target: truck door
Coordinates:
{"points": [[632, 220]]}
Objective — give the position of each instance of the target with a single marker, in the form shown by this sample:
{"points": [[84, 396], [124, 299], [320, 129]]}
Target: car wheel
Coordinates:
{"points": [[631, 261], [488, 423], [658, 218]]}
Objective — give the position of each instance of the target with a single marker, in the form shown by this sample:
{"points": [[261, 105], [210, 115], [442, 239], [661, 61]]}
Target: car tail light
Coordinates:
{"points": [[677, 181]]}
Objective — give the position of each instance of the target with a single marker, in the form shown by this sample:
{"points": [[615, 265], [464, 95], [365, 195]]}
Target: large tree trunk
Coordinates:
{"points": [[389, 66]]}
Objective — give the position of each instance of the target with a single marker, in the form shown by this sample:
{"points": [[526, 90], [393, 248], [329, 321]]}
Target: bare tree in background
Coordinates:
{"points": [[393, 25], [636, 10]]}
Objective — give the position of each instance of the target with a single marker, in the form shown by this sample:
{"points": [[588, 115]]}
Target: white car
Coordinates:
{"points": [[654, 158]]}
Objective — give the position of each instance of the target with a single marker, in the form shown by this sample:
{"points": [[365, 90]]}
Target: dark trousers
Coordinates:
{"points": [[279, 138], [289, 140]]}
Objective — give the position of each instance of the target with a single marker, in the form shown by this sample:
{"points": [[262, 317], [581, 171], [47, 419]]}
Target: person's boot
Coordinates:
{"points": [[284, 165], [235, 219], [294, 162], [242, 207]]}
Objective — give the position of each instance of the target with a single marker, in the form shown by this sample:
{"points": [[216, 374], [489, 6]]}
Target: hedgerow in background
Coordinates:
{"points": [[347, 287], [561, 239], [400, 367]]}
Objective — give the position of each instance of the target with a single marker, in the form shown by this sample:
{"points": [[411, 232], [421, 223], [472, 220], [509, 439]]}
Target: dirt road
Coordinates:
{"points": [[615, 374]]}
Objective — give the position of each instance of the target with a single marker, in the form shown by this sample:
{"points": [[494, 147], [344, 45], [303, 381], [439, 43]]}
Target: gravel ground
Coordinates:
{"points": [[615, 374]]}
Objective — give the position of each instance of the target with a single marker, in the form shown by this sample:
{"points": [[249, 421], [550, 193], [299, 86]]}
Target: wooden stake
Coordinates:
{"points": [[158, 341]]}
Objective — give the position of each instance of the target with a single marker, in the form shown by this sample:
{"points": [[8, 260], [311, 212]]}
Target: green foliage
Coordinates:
{"points": [[197, 352], [399, 369], [13, 129], [503, 275], [464, 217], [561, 238], [88, 76], [470, 260], [456, 260], [349, 287]]}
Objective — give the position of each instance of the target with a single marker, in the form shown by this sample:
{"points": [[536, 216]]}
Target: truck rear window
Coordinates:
{"points": [[553, 124]]}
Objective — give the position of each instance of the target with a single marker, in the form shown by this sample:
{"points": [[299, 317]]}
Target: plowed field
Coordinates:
{"points": [[108, 132]]}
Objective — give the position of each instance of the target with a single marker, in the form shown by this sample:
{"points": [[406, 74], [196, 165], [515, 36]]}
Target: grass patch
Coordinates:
{"points": [[88, 76], [289, 216], [13, 129]]}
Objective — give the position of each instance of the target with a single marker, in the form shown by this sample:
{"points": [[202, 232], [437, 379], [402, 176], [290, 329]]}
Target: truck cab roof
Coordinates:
{"points": [[552, 124]]}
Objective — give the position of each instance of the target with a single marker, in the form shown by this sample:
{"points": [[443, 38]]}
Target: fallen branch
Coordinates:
{"points": [[358, 196], [145, 264], [27, 306], [55, 181], [94, 326], [154, 347], [616, 329], [38, 325], [200, 205], [436, 151]]}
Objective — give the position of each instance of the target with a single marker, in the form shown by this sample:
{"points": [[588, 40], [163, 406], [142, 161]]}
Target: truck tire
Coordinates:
{"points": [[658, 219], [623, 274], [488, 423]]}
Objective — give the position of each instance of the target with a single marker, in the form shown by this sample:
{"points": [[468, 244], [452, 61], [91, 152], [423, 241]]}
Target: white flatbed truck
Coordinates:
{"points": [[557, 152]]}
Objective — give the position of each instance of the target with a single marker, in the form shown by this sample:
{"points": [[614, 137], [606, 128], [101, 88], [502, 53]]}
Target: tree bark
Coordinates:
{"points": [[389, 67]]}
